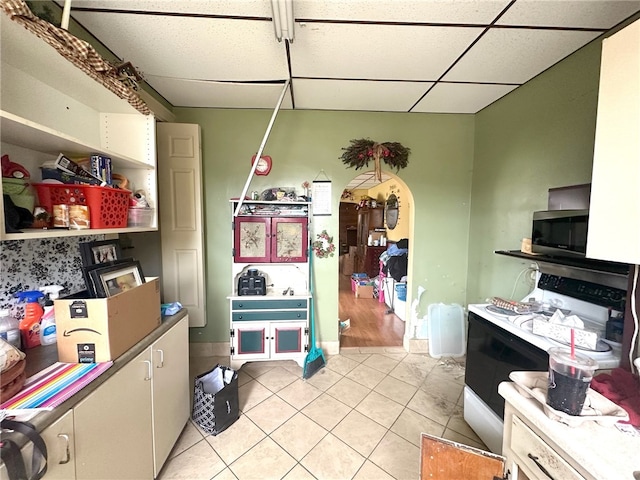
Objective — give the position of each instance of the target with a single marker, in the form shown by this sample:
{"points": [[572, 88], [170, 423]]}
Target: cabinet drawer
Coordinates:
{"points": [[269, 315], [526, 444], [268, 304]]}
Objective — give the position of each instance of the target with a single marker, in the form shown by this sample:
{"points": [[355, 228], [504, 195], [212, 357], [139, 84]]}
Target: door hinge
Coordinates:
{"points": [[306, 330], [233, 350], [232, 333], [306, 348]]}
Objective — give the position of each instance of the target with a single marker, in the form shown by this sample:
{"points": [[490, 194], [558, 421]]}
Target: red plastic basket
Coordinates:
{"points": [[108, 207]]}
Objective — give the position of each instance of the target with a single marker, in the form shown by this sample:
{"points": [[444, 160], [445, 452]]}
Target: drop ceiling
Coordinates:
{"points": [[438, 56]]}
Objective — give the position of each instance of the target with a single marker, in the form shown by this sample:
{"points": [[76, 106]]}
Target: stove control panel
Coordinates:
{"points": [[585, 291]]}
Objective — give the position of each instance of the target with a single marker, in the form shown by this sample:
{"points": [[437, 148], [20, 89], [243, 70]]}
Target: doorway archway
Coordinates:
{"points": [[383, 320]]}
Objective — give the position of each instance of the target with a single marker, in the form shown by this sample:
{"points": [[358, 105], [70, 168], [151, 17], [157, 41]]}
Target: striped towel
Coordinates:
{"points": [[55, 384]]}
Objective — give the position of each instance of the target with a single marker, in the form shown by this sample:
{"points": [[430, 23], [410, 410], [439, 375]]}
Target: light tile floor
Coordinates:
{"points": [[360, 417]]}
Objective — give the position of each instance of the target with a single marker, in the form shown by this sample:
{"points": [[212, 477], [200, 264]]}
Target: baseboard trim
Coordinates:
{"points": [[330, 348], [221, 349], [209, 349]]}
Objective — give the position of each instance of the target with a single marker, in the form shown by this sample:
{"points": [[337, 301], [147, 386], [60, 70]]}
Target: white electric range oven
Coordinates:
{"points": [[499, 342]]}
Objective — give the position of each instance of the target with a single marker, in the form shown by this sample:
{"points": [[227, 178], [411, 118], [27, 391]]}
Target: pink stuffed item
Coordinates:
{"points": [[13, 170], [623, 389]]}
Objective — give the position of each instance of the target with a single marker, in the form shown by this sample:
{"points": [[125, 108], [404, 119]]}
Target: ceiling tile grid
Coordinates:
{"points": [[516, 55], [313, 94], [371, 55], [192, 48], [461, 97], [378, 52], [203, 94], [569, 13], [412, 11]]}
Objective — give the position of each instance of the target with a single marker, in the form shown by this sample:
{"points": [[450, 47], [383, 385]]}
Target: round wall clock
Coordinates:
{"points": [[264, 165]]}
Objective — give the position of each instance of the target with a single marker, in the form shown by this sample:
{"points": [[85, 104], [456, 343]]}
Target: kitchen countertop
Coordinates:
{"points": [[41, 357], [597, 452]]}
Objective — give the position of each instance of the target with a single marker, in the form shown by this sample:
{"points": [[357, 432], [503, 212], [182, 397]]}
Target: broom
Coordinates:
{"points": [[315, 358]]}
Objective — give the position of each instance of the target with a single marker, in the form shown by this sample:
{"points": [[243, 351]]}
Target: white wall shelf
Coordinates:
{"points": [[49, 106]]}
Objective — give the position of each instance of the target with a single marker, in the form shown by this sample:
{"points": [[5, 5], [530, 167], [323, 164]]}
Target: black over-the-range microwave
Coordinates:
{"points": [[560, 232]]}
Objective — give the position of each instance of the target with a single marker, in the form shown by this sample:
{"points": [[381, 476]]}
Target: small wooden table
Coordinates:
{"points": [[442, 459]]}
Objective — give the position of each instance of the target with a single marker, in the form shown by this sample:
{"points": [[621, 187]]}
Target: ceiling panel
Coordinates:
{"points": [[357, 95], [197, 48], [188, 93], [461, 97], [433, 11], [377, 51], [251, 8], [371, 55], [563, 13], [507, 55]]}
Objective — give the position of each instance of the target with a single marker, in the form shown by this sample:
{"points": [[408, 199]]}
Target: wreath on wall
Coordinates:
{"points": [[323, 246], [362, 150]]}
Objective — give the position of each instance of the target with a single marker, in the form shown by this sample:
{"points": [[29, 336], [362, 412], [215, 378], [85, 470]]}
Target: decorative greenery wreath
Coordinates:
{"points": [[324, 246], [362, 150]]}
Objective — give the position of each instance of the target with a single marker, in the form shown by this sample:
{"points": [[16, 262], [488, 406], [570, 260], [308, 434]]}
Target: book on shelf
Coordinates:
{"points": [[101, 168]]}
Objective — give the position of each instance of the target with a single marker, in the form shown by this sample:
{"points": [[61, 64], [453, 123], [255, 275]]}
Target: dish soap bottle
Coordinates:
{"points": [[30, 324], [48, 332]]}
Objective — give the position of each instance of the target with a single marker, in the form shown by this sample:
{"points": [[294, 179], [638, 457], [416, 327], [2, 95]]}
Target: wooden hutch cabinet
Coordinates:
{"points": [[271, 242]]}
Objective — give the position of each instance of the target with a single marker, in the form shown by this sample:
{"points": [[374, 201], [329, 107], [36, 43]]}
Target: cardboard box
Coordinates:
{"points": [[101, 329], [347, 263], [364, 291], [359, 279]]}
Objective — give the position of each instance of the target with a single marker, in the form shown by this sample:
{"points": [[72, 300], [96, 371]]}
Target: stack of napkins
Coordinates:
{"points": [[559, 326]]}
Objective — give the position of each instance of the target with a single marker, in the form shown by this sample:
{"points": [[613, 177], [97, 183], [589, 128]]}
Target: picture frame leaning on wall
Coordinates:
{"points": [[119, 277]]}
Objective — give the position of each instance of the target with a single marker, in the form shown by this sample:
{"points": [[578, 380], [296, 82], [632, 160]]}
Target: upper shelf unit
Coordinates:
{"points": [[49, 106]]}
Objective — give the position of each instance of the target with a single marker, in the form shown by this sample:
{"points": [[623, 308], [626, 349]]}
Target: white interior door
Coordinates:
{"points": [[181, 217]]}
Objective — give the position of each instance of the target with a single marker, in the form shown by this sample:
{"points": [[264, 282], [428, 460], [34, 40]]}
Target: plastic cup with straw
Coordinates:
{"points": [[570, 375]]}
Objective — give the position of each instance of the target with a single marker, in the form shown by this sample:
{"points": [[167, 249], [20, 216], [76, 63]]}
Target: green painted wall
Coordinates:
{"points": [[302, 144], [538, 137]]}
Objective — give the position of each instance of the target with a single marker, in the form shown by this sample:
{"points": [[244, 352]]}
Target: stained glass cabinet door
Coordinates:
{"points": [[289, 240], [270, 240], [252, 239]]}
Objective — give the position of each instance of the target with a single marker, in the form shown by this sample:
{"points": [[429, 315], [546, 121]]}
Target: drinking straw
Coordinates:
{"points": [[573, 350], [573, 344]]}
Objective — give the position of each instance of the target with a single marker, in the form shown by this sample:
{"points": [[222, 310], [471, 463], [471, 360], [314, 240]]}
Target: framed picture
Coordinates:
{"points": [[90, 281], [101, 251], [114, 279]]}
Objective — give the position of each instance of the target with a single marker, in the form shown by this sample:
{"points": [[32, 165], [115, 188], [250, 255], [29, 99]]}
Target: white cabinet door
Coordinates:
{"points": [[288, 340], [181, 217], [264, 340], [171, 408], [60, 450], [113, 425], [614, 216], [59, 437], [249, 341]]}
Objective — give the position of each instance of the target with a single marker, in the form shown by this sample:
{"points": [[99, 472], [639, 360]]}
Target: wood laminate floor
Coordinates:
{"points": [[371, 325]]}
